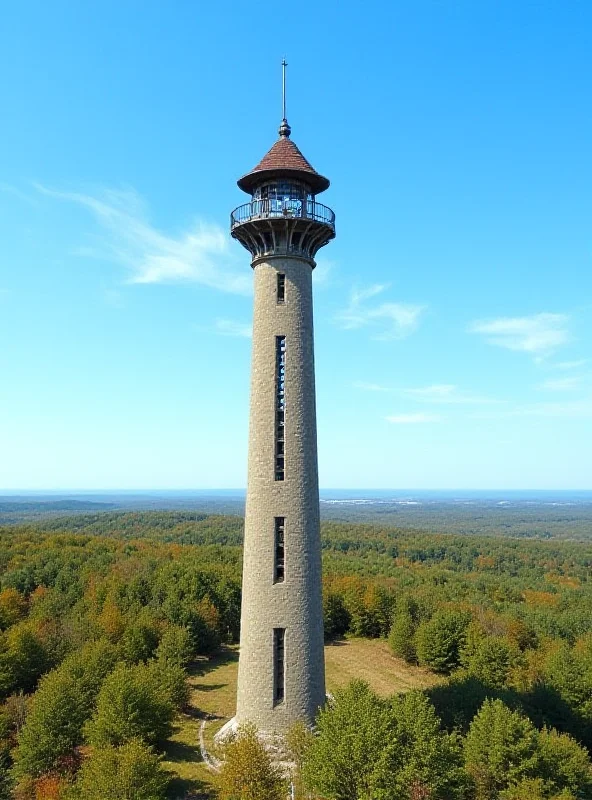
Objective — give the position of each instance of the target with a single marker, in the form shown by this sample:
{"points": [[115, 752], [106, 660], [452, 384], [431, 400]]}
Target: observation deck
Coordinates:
{"points": [[283, 226], [283, 209]]}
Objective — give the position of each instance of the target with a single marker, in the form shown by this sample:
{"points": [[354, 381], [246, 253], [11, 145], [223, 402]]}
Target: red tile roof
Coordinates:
{"points": [[284, 159]]}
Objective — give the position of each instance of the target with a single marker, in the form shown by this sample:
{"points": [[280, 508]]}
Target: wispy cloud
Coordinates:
{"points": [[574, 409], [321, 274], [18, 193], [388, 320], [229, 327], [565, 365], [371, 387], [200, 254], [417, 418], [568, 384], [438, 393], [539, 334], [446, 393]]}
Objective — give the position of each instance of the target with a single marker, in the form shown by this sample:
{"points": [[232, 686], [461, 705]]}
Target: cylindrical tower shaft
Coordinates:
{"points": [[281, 675], [281, 668]]}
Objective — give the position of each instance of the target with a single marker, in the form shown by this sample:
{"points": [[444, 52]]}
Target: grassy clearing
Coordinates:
{"points": [[371, 660], [213, 693]]}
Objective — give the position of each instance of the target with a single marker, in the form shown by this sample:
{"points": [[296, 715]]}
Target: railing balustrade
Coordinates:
{"points": [[288, 208]]}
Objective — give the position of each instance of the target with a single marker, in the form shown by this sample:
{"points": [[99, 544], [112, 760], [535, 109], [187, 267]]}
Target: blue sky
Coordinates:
{"points": [[452, 316]]}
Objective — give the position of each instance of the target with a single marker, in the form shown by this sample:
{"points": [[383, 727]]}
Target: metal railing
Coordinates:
{"points": [[277, 209]]}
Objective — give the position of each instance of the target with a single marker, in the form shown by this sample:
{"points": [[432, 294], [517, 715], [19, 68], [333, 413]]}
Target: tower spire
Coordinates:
{"points": [[285, 129]]}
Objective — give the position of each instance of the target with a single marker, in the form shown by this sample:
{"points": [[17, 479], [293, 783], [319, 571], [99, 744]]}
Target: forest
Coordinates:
{"points": [[102, 615]]}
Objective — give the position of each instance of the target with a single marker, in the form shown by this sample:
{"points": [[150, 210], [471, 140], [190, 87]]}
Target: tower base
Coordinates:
{"points": [[274, 743]]}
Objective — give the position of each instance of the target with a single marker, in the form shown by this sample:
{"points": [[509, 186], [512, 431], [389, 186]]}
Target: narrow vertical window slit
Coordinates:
{"points": [[279, 562], [280, 406], [279, 636], [281, 287]]}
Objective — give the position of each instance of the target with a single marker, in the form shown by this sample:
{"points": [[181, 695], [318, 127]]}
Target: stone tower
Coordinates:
{"points": [[281, 675]]}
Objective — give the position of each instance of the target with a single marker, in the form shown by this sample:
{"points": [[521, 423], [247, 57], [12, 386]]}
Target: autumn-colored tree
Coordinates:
{"points": [[248, 772], [50, 787], [13, 607], [112, 620]]}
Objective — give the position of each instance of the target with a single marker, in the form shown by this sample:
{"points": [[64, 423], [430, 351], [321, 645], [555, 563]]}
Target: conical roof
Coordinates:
{"points": [[284, 160]]}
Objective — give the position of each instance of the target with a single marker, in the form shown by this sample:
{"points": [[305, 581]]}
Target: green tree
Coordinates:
{"points": [[139, 641], [566, 672], [129, 772], [345, 760], [171, 679], [439, 641], [53, 726], [298, 739], [248, 773], [175, 646], [565, 764], [491, 661], [131, 705], [526, 789], [401, 635], [336, 617], [422, 757], [24, 659], [60, 707], [501, 749]]}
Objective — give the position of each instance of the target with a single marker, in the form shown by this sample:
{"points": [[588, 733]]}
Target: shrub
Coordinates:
{"points": [[131, 771], [248, 772]]}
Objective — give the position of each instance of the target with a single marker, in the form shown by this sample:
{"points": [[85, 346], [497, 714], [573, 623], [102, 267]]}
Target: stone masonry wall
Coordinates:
{"points": [[296, 603]]}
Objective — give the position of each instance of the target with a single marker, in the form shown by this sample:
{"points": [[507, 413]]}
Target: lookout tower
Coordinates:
{"points": [[281, 675]]}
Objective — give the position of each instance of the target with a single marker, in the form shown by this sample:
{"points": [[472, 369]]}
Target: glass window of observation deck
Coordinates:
{"points": [[282, 190]]}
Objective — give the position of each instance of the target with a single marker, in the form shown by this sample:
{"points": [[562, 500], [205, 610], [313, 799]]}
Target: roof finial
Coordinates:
{"points": [[285, 129]]}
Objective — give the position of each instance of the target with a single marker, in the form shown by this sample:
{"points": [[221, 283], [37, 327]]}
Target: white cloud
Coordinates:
{"points": [[574, 409], [539, 334], [413, 419], [229, 327], [569, 384], [23, 196], [371, 387], [396, 320], [565, 365], [446, 393], [321, 274], [200, 254]]}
